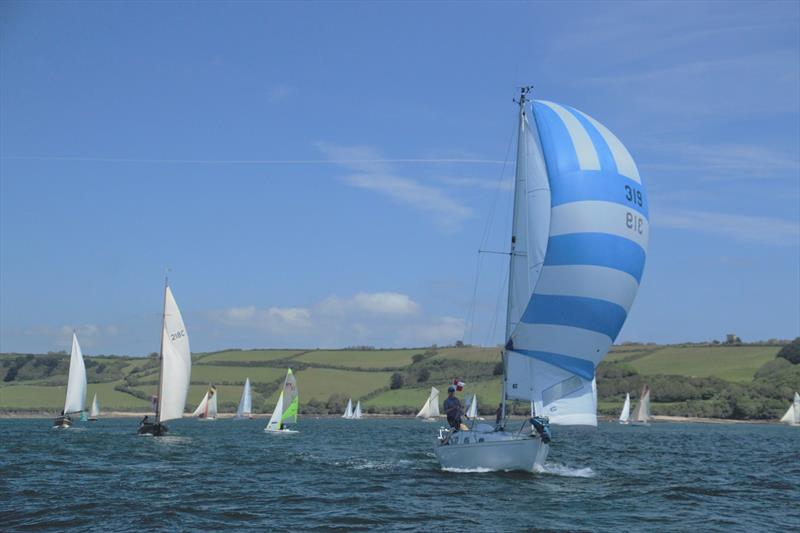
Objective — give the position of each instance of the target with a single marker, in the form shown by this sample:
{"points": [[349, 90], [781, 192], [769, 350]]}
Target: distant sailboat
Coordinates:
{"points": [[348, 412], [94, 412], [245, 409], [641, 416], [207, 410], [285, 412], [357, 411], [625, 415], [792, 416], [76, 387], [577, 251], [175, 369], [472, 409], [430, 410]]}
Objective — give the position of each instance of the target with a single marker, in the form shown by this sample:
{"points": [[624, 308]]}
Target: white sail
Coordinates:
{"points": [[201, 408], [472, 410], [348, 412], [274, 423], [76, 383], [431, 407], [357, 410], [642, 412], [625, 415], [95, 410], [792, 416], [245, 408], [176, 362], [585, 219]]}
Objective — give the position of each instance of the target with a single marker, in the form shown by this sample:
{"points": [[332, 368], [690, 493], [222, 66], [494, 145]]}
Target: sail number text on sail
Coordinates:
{"points": [[177, 335], [634, 222]]}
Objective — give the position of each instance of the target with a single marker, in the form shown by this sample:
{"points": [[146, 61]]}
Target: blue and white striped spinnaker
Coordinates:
{"points": [[579, 242]]}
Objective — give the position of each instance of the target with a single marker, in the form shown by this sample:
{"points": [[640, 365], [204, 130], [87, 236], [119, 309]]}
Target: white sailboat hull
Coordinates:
{"points": [[505, 451], [281, 431]]}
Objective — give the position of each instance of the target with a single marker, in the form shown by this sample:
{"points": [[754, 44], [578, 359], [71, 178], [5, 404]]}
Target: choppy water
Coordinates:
{"points": [[381, 474]]}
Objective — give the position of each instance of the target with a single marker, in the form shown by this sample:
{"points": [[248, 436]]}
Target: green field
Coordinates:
{"points": [[360, 359], [735, 363], [36, 383]]}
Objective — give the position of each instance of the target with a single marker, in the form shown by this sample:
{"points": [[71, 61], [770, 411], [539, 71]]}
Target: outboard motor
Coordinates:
{"points": [[542, 426]]}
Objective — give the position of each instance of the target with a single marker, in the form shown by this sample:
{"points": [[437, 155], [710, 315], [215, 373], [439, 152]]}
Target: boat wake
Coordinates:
{"points": [[555, 469], [467, 470]]}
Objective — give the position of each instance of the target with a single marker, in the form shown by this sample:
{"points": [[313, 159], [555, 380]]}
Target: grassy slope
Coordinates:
{"points": [[267, 368]]}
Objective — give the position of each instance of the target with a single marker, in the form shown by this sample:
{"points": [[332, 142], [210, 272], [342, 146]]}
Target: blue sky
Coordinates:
{"points": [[322, 174]]}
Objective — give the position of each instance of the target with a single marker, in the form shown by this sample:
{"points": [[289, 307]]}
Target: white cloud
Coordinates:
{"points": [[379, 318], [745, 228], [278, 93], [60, 337], [371, 172]]}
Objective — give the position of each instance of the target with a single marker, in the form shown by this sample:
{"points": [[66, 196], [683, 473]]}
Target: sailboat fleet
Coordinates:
{"points": [[578, 246]]}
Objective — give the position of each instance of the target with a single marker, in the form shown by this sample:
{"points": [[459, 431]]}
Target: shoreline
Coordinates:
{"points": [[10, 415]]}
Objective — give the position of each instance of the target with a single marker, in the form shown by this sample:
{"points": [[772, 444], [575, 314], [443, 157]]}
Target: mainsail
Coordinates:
{"points": [[472, 410], [208, 405], [245, 408], [642, 413], [625, 415], [286, 409], [578, 248], [95, 410], [176, 362], [792, 416], [431, 407], [357, 410], [76, 383], [348, 412]]}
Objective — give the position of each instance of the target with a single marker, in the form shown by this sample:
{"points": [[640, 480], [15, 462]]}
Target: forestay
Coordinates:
{"points": [[76, 383], [176, 362], [582, 233]]}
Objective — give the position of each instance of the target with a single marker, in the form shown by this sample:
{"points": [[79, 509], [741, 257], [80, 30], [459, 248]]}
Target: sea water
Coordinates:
{"points": [[382, 475]]}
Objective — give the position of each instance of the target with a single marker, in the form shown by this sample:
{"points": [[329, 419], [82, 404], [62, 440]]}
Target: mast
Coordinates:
{"points": [[161, 352], [519, 192]]}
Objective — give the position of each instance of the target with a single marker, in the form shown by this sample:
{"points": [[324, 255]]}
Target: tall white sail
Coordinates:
{"points": [[245, 408], [792, 416], [642, 413], [94, 412], [76, 383], [472, 410], [586, 215], [357, 410], [348, 412], [625, 415], [274, 423], [431, 407], [176, 362]]}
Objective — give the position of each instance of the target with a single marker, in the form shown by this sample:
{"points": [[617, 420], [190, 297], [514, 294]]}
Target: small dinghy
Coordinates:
{"points": [[207, 410], [430, 409], [94, 412], [472, 409], [285, 412], [357, 411], [76, 387], [641, 416], [625, 415], [245, 409], [792, 416], [348, 412], [175, 370]]}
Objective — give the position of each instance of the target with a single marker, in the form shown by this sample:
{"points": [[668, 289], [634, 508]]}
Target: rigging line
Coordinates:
{"points": [[257, 161], [471, 315], [498, 304]]}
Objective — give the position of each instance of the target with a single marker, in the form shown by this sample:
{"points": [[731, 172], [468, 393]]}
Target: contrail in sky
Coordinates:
{"points": [[255, 161]]}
